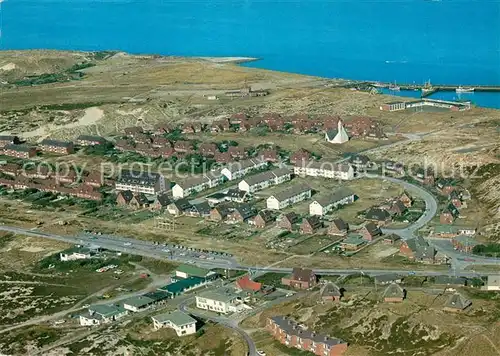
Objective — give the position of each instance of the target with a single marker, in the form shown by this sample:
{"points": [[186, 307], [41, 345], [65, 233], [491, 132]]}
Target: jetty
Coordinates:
{"points": [[428, 89]]}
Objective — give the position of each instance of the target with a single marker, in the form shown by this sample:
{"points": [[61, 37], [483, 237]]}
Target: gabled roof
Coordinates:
{"points": [[372, 229], [292, 191], [193, 271], [182, 204], [127, 195], [338, 195], [292, 217], [330, 134], [240, 165], [457, 301], [394, 291], [246, 211], [246, 283], [266, 215], [163, 200], [202, 208], [266, 176], [302, 274], [398, 206], [340, 224], [377, 214], [421, 248], [314, 221], [141, 198], [236, 193], [330, 290], [57, 143], [390, 277]]}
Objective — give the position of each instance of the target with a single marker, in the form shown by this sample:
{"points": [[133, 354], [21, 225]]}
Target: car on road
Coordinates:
{"points": [[411, 273], [127, 244]]}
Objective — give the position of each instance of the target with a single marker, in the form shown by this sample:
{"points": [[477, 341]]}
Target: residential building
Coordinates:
{"points": [[236, 170], [19, 151], [237, 152], [338, 136], [187, 271], [222, 300], [208, 149], [141, 182], [338, 227], [330, 292], [324, 169], [124, 197], [133, 131], [289, 196], [369, 231], [162, 201], [94, 179], [263, 219], [179, 207], [457, 303], [268, 155], [450, 281], [359, 161], [325, 204], [379, 216], [449, 215], [9, 140], [181, 322], [394, 293], [301, 278], [352, 242], [102, 314], [391, 239], [201, 209], [56, 146], [197, 184], [418, 249], [222, 157], [310, 225], [288, 221], [182, 285], [406, 199], [299, 157], [291, 334], [398, 208], [393, 106], [137, 304], [219, 213], [236, 195], [265, 179], [241, 213], [248, 285], [464, 243], [87, 140], [139, 201], [76, 253]]}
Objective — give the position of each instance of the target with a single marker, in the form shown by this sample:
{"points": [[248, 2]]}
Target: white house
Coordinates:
{"points": [[265, 179], [222, 301], [341, 171], [323, 205], [289, 196], [236, 170], [102, 314], [338, 136], [197, 184], [182, 323], [141, 182], [76, 253], [137, 304]]}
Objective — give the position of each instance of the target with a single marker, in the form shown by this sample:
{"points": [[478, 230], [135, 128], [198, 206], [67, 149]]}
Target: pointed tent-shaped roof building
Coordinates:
{"points": [[394, 293], [338, 136], [456, 303], [330, 292]]}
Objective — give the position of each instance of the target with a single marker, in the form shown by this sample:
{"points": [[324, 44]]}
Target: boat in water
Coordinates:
{"points": [[394, 87], [461, 89]]}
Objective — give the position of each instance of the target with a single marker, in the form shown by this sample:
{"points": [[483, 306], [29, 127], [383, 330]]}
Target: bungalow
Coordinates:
{"points": [[418, 249], [182, 285], [137, 304], [331, 293], [216, 198], [102, 314], [338, 227], [76, 253], [183, 146], [324, 205], [324, 169], [369, 231], [268, 155], [394, 293], [379, 216], [86, 140], [263, 218], [179, 207], [182, 323], [56, 146], [456, 303], [241, 214], [220, 126], [237, 152], [265, 179], [288, 221], [248, 285], [301, 278], [310, 225], [159, 142], [236, 170], [289, 196], [352, 242], [464, 243]]}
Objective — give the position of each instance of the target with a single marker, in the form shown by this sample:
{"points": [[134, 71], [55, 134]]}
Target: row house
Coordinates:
{"points": [[88, 140], [197, 184], [237, 152], [268, 155], [141, 182], [183, 146], [94, 179], [9, 140], [289, 196], [324, 205], [160, 141], [12, 169], [263, 219], [124, 145], [310, 225], [236, 170], [338, 227], [135, 200], [223, 157], [41, 172], [241, 214], [142, 138], [145, 149], [56, 146], [208, 149], [19, 151], [291, 334], [324, 169], [265, 179], [220, 126]]}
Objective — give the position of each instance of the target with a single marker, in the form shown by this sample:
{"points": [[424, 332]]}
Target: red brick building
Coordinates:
{"points": [[19, 151], [288, 221], [263, 219], [289, 333], [310, 225], [300, 156], [56, 146], [301, 278]]}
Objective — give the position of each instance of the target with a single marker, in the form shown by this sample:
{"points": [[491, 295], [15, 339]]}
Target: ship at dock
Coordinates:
{"points": [[462, 89]]}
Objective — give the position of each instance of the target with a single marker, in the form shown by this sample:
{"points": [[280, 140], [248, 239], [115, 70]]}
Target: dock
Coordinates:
{"points": [[428, 89]]}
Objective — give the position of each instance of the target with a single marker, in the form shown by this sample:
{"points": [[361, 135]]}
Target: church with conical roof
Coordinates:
{"points": [[338, 136]]}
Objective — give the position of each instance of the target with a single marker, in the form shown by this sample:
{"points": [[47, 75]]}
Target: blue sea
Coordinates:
{"points": [[446, 41]]}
